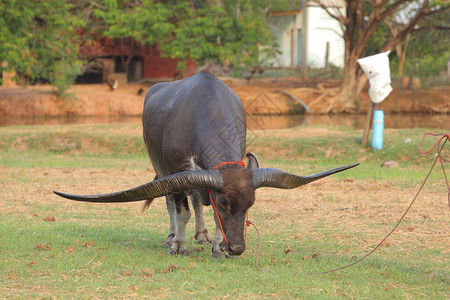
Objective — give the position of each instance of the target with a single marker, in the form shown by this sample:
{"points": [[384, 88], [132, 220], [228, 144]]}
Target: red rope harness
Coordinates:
{"points": [[247, 222], [242, 163]]}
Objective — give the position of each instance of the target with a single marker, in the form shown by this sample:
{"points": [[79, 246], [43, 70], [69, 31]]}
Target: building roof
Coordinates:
{"points": [[285, 13], [330, 3]]}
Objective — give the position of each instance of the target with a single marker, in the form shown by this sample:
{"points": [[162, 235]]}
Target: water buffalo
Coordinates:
{"points": [[195, 133]]}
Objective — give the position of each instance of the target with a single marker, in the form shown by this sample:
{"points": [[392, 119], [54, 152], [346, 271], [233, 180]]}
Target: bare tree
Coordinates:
{"points": [[360, 22], [400, 48]]}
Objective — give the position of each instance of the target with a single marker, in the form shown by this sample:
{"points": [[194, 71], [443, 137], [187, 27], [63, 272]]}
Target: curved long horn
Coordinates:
{"points": [[175, 183], [283, 180]]}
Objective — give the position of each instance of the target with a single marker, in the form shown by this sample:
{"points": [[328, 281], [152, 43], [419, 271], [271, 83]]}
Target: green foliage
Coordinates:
{"points": [[427, 51], [429, 64], [379, 38], [233, 32], [64, 74], [146, 23], [215, 33], [224, 31], [38, 39], [429, 48]]}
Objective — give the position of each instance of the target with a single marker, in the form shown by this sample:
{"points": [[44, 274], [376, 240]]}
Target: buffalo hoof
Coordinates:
{"points": [[220, 255], [203, 242], [202, 238], [177, 252], [169, 240]]}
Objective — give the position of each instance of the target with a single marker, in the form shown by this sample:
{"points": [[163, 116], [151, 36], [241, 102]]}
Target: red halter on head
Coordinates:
{"points": [[242, 163]]}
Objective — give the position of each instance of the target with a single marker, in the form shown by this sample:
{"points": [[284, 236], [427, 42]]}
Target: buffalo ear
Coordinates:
{"points": [[252, 161]]}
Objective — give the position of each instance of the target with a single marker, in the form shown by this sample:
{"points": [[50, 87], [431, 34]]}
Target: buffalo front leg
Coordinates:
{"points": [[217, 242], [182, 216], [201, 233], [171, 209]]}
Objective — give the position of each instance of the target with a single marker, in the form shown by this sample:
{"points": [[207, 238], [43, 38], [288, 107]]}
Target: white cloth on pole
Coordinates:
{"points": [[376, 67]]}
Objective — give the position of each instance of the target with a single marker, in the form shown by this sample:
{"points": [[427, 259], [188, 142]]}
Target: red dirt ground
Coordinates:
{"points": [[259, 96]]}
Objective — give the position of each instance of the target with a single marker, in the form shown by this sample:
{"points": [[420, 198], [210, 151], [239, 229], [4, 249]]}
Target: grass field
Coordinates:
{"points": [[55, 248]]}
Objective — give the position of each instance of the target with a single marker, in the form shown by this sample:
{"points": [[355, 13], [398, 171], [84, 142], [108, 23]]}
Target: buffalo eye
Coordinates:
{"points": [[225, 204]]}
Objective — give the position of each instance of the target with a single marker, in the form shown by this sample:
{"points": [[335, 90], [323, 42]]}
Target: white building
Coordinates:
{"points": [[324, 37]]}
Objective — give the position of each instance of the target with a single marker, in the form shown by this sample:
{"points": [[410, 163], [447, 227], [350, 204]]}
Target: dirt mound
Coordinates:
{"points": [[279, 99], [84, 100], [261, 96]]}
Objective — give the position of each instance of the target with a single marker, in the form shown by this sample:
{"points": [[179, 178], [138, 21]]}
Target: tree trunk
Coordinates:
{"points": [[401, 59], [402, 54], [349, 87]]}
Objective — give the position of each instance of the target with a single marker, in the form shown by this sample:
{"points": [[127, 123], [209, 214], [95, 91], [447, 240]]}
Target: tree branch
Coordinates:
{"points": [[339, 18], [424, 11], [390, 10], [437, 27]]}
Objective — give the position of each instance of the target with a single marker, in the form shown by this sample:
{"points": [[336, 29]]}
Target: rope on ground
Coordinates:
{"points": [[248, 223], [445, 138]]}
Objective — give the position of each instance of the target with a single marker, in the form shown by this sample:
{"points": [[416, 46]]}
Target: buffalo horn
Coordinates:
{"points": [[279, 179], [175, 183]]}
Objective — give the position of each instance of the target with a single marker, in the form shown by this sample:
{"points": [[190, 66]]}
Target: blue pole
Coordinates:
{"points": [[378, 130]]}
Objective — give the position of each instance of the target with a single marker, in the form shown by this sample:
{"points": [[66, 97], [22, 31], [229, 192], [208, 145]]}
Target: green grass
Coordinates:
{"points": [[329, 151], [114, 251], [84, 145], [128, 260]]}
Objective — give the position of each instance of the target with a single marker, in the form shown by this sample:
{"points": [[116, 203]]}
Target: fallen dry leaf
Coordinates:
{"points": [[148, 272], [88, 244], [70, 250], [45, 247], [49, 219], [170, 268], [32, 263], [288, 250], [199, 249], [389, 164]]}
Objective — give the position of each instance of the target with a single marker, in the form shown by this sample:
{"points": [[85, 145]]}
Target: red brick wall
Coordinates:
{"points": [[158, 67]]}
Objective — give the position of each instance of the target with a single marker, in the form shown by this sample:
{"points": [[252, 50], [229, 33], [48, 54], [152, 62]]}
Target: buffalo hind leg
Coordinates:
{"points": [[183, 214], [201, 233]]}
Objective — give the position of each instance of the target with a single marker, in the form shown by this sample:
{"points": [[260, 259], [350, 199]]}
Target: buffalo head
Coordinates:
{"points": [[231, 189]]}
